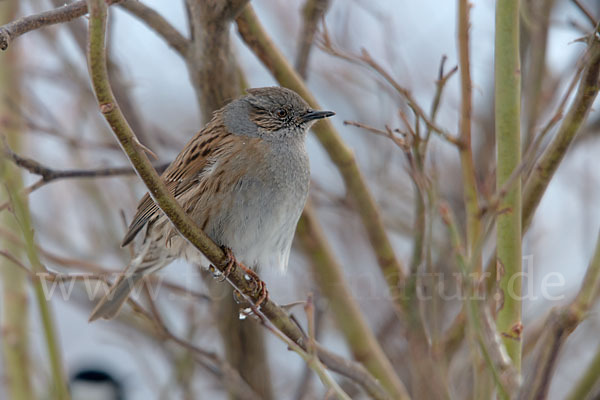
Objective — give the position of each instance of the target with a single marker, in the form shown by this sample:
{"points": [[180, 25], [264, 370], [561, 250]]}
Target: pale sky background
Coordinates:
{"points": [[409, 38]]}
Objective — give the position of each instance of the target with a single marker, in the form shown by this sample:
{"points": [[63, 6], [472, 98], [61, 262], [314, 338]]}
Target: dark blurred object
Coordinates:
{"points": [[95, 384]]}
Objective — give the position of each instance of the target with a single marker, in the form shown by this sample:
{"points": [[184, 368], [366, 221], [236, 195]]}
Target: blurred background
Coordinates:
{"points": [[46, 97]]}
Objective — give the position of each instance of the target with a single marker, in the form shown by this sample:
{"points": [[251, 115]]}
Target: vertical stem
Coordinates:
{"points": [[508, 153], [22, 214], [482, 382], [466, 152], [14, 313]]}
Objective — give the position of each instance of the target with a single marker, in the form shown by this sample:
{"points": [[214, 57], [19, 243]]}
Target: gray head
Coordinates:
{"points": [[273, 113]]}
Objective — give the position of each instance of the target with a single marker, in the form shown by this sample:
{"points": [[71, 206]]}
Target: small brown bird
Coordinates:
{"points": [[244, 180]]}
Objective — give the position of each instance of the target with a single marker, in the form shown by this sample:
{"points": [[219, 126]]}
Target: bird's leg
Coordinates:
{"points": [[251, 275], [261, 286], [231, 261]]}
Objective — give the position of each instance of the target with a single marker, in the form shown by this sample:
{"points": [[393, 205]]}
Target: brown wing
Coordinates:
{"points": [[183, 172]]}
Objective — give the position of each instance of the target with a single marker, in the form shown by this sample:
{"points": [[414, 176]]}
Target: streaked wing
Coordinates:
{"points": [[183, 172]]}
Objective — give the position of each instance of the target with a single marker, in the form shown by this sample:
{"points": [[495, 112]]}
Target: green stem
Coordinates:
{"points": [[550, 160], [15, 308], [21, 212], [508, 142]]}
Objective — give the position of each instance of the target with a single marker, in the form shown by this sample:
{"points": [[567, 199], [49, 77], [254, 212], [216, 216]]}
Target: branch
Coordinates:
{"points": [[588, 380], [470, 192], [21, 212], [180, 220], [312, 12], [585, 12], [48, 174], [159, 24], [257, 39], [559, 326], [550, 160], [329, 276], [508, 149], [211, 63], [16, 28]]}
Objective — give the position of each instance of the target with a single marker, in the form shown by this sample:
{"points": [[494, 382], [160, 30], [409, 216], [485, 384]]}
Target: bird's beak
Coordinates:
{"points": [[312, 115]]}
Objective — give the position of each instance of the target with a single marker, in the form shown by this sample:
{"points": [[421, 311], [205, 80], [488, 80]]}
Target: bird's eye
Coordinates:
{"points": [[281, 113]]}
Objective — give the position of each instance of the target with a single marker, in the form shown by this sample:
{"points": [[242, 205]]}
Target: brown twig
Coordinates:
{"points": [[48, 174], [365, 59], [14, 29], [389, 133], [585, 12]]}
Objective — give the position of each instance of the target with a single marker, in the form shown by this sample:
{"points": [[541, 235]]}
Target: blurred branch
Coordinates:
{"points": [[535, 73], [257, 39], [585, 12], [482, 384], [211, 63], [48, 174], [508, 148], [14, 29], [587, 381], [329, 276], [21, 213], [312, 12], [559, 326], [159, 24], [469, 178], [229, 377], [544, 169], [15, 308], [181, 221]]}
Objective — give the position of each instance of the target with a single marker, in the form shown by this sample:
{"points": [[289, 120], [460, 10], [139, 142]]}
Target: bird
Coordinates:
{"points": [[244, 179]]}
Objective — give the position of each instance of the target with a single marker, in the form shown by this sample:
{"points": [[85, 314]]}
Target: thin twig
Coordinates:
{"points": [[585, 12], [365, 59], [48, 174]]}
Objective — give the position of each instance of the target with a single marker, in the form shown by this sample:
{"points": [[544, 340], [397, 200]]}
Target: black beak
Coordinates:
{"points": [[312, 115]]}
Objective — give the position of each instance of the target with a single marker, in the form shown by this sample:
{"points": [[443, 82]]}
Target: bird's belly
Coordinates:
{"points": [[257, 221]]}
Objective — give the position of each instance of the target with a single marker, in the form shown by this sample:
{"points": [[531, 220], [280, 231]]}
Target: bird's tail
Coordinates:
{"points": [[109, 306]]}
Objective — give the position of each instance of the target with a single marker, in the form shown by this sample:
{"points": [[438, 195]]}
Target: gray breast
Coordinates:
{"points": [[264, 206]]}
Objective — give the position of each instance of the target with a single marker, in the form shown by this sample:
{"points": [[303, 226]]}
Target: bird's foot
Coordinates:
{"points": [[261, 286], [249, 275], [231, 261]]}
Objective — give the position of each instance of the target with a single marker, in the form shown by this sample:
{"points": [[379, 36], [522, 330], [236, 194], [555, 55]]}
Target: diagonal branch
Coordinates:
{"points": [[159, 24]]}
